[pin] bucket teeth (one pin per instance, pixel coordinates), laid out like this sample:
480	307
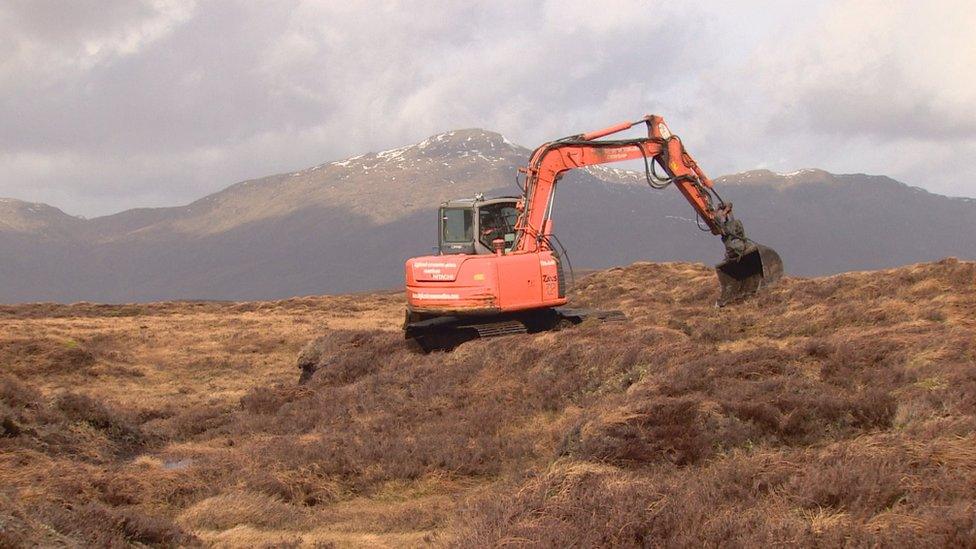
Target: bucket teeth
757	268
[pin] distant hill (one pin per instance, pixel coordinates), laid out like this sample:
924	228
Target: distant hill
348	225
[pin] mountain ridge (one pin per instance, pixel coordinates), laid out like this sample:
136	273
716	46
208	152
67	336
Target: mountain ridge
347	225
184	218
327	182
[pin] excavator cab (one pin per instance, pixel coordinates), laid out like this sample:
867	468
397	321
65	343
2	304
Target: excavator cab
470	225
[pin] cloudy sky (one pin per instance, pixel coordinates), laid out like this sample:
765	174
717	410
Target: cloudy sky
113	104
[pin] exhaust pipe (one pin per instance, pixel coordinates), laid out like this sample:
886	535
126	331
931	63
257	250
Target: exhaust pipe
757	268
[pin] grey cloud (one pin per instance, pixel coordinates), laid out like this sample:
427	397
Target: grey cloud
121	104
889	70
876	87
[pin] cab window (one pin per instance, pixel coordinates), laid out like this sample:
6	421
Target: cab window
497	221
457	225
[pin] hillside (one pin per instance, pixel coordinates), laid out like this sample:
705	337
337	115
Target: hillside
829	411
17	216
348	225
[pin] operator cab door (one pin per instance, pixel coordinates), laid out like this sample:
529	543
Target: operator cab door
496	220
456	227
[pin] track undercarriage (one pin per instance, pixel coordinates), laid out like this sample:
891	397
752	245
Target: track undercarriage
445	333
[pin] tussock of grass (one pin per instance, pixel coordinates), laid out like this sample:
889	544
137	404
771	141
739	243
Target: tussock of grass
240	508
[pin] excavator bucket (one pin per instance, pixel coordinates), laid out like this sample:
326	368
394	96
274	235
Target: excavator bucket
740	278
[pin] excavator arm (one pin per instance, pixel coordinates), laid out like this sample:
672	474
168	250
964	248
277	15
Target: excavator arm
747	265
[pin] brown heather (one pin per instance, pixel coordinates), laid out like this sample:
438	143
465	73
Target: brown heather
837	411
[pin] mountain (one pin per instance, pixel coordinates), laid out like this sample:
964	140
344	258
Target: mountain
30	218
348	225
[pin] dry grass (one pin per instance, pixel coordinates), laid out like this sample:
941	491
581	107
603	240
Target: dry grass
835	411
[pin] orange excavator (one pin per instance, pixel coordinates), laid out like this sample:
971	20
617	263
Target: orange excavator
500	269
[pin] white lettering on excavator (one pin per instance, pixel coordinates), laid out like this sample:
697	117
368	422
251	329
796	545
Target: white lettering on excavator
616	154
435	296
434	265
547	262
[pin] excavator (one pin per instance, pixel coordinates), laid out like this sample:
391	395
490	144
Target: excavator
500	268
